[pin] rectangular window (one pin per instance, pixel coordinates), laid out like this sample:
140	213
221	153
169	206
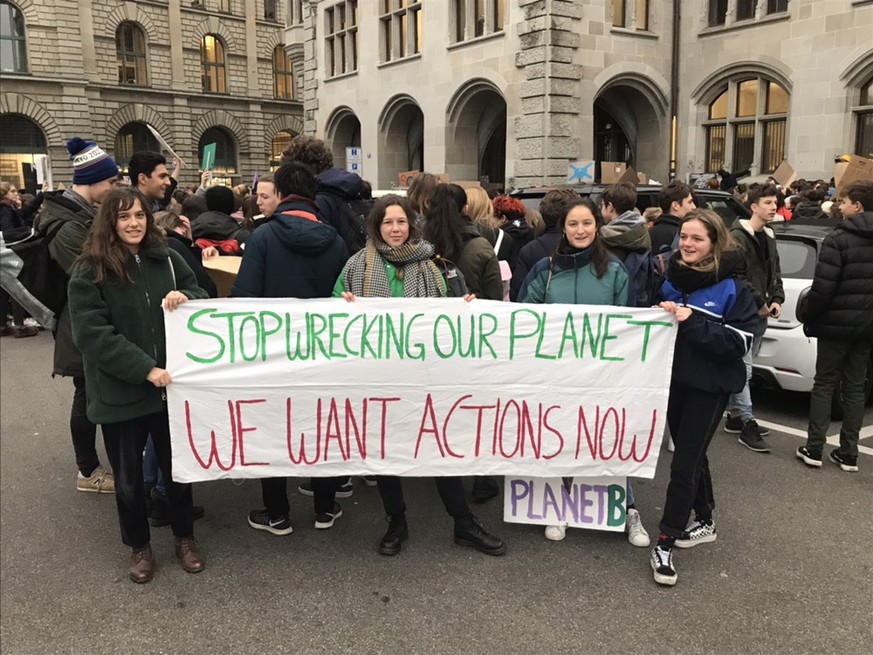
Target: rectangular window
269	9
715	140
619	19
776	6
294	13
341	38
717	12
401	29
475	18
631	14
746	9
744	146
223	6
864	143
747	98
774	145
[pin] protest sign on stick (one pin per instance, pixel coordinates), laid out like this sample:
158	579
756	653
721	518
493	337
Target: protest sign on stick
284	387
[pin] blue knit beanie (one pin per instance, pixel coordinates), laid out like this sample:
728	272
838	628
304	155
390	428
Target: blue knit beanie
90	163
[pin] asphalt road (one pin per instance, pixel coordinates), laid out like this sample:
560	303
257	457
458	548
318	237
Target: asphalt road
791	572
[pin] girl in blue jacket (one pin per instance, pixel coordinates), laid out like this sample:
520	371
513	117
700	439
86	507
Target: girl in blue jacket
717	316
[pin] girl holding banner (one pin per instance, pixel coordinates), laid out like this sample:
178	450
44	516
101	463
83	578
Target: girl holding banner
119	285
582	272
717	317
396	263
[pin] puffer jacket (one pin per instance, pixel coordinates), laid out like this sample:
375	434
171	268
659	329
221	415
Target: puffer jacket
763	274
711	342
64	248
120	330
839	305
573	280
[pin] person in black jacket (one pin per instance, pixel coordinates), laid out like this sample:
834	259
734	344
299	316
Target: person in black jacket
707	366
675	200
839	312
178	230
552	208
293	255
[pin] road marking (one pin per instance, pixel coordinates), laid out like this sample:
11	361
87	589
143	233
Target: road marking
833	440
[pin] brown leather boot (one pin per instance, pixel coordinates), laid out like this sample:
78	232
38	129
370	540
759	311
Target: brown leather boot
186	551
142	565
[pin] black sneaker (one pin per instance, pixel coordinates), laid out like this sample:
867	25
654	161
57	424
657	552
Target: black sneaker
848	464
260	520
750	437
370	480
470	532
662	565
809	457
345	490
699	532
397	533
733	424
325	520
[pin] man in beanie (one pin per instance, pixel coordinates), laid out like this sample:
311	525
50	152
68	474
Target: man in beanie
148	173
94	175
217	224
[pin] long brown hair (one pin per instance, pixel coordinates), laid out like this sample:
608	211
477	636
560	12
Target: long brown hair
722	241
103	250
599	253
377	214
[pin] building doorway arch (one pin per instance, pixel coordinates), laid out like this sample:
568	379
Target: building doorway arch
401	135
476	133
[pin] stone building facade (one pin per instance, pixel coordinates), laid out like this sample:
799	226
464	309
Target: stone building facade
511	91
197	71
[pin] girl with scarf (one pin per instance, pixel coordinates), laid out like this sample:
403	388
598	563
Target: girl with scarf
582	272
396	263
717	316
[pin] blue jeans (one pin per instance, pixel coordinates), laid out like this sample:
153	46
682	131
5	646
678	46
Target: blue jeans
631	500
152	474
741	403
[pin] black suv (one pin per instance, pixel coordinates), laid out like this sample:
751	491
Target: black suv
721	202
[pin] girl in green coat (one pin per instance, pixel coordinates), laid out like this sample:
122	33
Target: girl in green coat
582	272
119	284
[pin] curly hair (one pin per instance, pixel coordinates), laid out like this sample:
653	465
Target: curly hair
310	151
508	208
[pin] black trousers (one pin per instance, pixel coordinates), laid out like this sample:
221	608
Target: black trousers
83	431
274	491
693	417
9	306
451	491
125	442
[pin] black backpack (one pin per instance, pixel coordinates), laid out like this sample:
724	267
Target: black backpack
456	283
352	220
40	274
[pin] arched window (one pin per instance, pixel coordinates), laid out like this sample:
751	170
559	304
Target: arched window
745	126
13	46
130	51
864	112
133	137
283	74
212	65
281	141
21	146
225	151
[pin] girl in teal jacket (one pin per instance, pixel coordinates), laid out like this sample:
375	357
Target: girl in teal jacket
582	272
117	289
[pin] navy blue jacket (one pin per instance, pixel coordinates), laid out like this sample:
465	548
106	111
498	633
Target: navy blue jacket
291	256
335	183
712	341
530	254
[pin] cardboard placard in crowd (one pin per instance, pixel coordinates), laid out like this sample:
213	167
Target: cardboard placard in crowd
629	175
785	174
857	170
611	171
223	271
406	177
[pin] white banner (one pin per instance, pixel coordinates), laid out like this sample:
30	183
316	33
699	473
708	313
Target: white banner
592	503
285	387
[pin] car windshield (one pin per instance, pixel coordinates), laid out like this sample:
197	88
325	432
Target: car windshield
796	258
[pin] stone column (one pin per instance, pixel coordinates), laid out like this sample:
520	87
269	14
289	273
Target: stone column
310	67
550	93
177	58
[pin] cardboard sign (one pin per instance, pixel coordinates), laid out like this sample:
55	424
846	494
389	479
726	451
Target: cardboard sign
165	147
593	503
700	180
630	176
611	171
784	174
580	172
467	184
857	170
432	387
406	177
223	271
207	162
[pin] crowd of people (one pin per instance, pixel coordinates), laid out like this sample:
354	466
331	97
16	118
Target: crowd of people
311	230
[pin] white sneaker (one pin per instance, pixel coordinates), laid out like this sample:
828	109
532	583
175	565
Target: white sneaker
662	566
556	532
699	532
636	533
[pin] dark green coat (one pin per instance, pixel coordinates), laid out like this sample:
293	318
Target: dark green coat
64	248
120	331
